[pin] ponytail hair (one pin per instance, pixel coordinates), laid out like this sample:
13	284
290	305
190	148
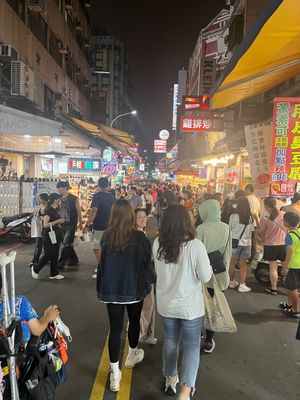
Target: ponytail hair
271	203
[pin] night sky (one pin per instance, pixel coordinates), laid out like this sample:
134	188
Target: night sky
160	37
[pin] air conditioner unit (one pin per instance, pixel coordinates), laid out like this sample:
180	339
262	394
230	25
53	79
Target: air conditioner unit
8	52
69	5
36	6
22	80
62	48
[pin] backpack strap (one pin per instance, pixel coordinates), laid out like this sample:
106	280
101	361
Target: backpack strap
296	234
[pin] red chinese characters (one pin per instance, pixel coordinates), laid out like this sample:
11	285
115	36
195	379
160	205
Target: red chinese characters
196	124
285	167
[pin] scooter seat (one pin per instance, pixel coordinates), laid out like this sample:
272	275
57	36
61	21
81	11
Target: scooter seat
7	220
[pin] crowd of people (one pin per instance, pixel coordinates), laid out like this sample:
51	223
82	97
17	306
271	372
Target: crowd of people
154	247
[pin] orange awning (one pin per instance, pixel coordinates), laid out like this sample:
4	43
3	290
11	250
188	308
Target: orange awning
268	55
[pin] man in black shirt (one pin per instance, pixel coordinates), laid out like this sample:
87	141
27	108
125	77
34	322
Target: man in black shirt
99	215
71	212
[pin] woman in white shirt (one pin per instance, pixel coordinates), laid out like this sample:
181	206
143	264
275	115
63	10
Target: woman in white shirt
241	226
182	265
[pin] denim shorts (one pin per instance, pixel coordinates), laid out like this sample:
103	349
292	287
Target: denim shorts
241	252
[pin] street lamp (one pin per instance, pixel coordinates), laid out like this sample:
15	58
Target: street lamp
134	112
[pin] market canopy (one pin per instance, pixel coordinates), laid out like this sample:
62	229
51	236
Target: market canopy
98	132
268	55
122	136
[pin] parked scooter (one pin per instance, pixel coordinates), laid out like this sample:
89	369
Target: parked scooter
261	270
18	226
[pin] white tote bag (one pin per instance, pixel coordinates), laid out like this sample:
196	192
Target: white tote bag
52	235
36	227
218	317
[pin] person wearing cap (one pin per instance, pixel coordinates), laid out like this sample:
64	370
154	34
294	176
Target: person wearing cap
52	222
70	211
295	206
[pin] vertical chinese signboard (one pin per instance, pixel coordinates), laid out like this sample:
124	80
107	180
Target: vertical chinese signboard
259	143
285	167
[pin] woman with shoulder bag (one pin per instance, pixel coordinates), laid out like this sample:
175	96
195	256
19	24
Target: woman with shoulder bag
52	236
216	237
43	203
182	265
241	227
147	324
273	233
123	282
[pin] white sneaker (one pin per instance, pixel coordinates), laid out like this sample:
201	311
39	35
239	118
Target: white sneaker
170	386
149	340
96	270
115	381
58	277
34	274
182	397
94	276
136	358
243	288
233	284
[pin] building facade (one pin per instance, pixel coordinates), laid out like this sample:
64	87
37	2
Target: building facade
206	64
44	52
111	88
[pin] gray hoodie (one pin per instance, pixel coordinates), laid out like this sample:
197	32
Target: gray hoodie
215	235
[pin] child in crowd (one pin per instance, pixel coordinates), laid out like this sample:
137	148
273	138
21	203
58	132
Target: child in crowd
291	267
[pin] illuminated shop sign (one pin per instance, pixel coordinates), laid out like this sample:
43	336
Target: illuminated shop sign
160	146
285	165
196	102
109	168
201	123
82	165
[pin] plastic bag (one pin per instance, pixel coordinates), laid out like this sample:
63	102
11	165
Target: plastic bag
52	235
36	227
256	259
218	317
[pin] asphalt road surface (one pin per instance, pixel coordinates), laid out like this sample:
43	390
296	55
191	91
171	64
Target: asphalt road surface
260	362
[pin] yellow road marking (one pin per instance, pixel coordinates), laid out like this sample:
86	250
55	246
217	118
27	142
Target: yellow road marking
124	393
102	373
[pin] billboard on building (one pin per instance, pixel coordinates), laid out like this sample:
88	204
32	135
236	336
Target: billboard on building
175	99
208	74
160	146
201	123
285	165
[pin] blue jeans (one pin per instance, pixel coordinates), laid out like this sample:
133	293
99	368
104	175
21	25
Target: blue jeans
188	334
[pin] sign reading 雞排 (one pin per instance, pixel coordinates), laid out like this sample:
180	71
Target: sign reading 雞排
285	166
203	123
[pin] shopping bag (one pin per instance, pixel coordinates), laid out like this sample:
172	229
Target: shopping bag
52	235
218	317
86	237
298	332
36	227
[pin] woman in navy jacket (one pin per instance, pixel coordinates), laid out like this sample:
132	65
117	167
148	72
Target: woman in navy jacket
123	281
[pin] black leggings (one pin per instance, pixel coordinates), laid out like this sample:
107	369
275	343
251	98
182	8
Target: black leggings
116	321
